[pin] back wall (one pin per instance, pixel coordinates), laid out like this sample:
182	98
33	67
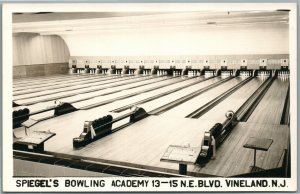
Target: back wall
36	55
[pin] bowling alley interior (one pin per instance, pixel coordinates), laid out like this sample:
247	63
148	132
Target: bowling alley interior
151	94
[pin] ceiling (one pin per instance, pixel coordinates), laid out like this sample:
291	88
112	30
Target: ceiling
69	23
54	16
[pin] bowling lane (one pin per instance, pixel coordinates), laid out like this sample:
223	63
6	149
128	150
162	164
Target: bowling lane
185	108
270	108
93	113
149	106
25	99
87	104
233	102
47	80
75	98
30	79
54	83
147	131
67	86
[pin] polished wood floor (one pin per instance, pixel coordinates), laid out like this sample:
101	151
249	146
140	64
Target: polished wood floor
143	143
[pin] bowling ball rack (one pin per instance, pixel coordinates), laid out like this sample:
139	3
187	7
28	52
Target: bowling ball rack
99	128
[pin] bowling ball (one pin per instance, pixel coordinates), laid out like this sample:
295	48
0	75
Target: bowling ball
94	124
216	129
98	122
133	108
26	111
20	113
110	118
14	114
229	114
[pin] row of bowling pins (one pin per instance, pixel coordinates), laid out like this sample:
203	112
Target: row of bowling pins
162	72
175	72
226	73
130	72
209	73
245	73
193	73
147	72
264	73
90	71
79	71
284	75
104	71
118	71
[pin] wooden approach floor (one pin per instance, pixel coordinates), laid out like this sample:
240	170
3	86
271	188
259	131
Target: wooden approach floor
143	143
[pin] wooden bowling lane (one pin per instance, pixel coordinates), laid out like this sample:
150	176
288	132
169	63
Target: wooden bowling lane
56	84
233	102
141	144
80	85
181	83
149	106
92	92
88	88
114	100
186	108
99	101
158	100
109	98
75	85
107	108
233	159
270	108
41	78
159	93
47	79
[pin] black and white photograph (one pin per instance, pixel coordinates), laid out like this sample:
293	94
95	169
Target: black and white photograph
149	97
